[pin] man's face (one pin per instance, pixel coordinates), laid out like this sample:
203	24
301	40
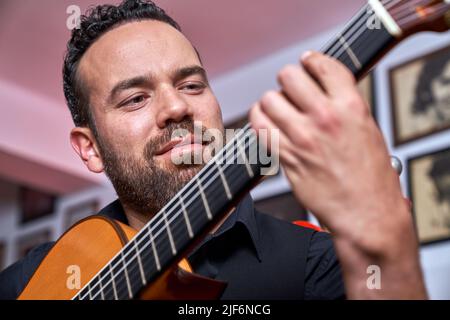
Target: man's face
144	81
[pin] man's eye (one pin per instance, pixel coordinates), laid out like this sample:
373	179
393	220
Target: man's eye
135	100
193	87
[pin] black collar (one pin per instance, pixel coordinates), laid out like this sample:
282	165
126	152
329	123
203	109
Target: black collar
244	213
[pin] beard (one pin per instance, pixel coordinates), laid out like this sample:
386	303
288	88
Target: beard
140	183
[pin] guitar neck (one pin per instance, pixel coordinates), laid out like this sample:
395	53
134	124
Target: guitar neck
219	185
362	42
184	221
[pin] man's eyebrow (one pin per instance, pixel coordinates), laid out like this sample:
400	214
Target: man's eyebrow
190	71
137	81
127	84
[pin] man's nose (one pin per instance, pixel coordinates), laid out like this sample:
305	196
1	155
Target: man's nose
172	107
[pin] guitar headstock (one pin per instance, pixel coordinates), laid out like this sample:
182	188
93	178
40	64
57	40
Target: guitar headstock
419	15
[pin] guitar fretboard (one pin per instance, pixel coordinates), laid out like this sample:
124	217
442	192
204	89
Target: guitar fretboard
202	200
361	43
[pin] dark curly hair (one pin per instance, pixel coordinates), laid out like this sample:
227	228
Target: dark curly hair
93	24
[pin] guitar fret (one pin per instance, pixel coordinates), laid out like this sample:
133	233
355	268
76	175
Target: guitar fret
90	292
188	223
155	254
350	52
205	202
113	283
102	294
224	181
130	293
169	233
105	282
244	157
141	269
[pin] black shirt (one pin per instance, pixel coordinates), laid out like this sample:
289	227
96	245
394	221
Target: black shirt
260	257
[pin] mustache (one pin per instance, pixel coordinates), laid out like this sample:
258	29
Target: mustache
165	137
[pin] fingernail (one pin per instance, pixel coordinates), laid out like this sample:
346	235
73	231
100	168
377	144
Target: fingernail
306	54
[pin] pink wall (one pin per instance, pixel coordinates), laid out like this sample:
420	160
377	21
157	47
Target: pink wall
34	121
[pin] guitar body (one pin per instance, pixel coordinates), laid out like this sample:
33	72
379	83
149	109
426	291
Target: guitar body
87	247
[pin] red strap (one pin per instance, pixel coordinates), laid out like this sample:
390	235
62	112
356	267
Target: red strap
306	224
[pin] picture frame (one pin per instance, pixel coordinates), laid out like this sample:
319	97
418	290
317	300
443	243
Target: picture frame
35	204
25	243
79	211
429	191
366	87
420	96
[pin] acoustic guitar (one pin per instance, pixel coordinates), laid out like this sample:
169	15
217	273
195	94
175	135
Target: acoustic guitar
100	258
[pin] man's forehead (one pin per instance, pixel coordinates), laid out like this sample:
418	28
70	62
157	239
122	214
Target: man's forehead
134	48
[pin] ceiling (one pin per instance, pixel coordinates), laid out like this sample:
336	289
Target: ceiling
228	34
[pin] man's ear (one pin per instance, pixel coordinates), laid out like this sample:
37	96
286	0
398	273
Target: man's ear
84	144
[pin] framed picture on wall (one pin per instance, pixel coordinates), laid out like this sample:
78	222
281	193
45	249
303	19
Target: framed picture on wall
283	206
420	96
367	88
27	242
429	189
35	204
79	211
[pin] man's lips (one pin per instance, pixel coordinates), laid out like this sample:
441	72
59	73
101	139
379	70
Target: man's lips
189	142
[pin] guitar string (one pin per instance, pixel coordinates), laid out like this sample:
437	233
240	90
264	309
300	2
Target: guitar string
356	27
352	41
355	31
411	5
133	271
208	170
403	8
355	37
164	244
245	132
353	26
390	3
334	43
411	12
438	9
355	34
